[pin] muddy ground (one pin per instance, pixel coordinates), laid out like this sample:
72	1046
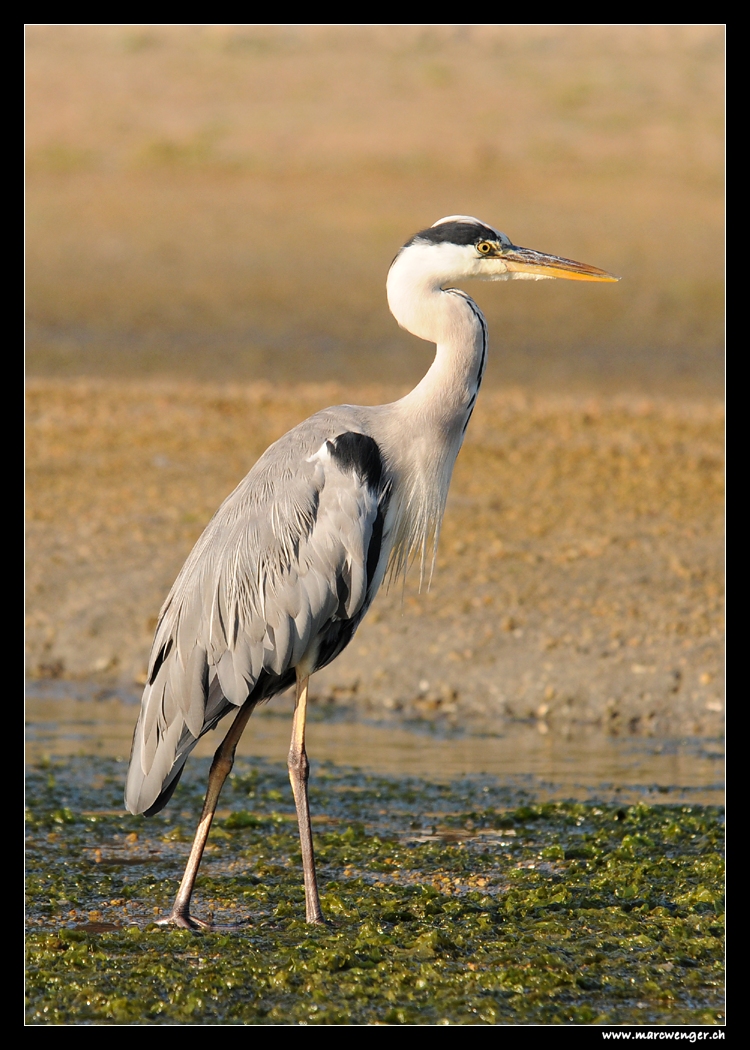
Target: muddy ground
579	577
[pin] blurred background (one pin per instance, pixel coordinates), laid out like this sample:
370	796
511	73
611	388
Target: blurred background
211	214
224	201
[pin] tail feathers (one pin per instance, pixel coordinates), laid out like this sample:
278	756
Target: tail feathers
180	705
168	790
145	788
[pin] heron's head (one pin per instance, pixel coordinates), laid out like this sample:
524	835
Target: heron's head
460	246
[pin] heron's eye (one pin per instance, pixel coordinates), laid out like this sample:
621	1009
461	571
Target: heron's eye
484	247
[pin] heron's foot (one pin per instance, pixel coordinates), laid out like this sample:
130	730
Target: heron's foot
184	920
317	920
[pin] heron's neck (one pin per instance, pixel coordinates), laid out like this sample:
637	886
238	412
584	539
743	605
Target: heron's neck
445	397
425	429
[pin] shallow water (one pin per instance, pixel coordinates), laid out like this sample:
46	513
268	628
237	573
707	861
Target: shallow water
67	719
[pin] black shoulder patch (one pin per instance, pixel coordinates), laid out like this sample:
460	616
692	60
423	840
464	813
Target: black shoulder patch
358	452
454	233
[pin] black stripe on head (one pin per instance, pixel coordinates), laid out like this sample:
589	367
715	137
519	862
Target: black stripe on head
359	453
455	233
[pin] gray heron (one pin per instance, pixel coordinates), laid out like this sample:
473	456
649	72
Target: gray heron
284	573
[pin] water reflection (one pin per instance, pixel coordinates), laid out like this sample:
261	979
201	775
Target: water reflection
65	719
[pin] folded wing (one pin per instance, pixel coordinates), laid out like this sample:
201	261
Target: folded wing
282	575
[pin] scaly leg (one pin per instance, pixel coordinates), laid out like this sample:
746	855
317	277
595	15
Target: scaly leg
299	772
220	770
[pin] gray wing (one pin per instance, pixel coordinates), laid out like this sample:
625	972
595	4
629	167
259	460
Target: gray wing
285	566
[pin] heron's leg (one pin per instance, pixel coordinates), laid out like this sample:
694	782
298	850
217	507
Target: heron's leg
220	770
299	772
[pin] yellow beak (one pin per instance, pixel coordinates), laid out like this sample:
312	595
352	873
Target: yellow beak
526	260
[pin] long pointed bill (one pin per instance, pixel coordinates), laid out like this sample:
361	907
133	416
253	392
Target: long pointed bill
526	260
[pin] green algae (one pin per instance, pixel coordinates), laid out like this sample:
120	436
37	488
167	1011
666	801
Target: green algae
449	903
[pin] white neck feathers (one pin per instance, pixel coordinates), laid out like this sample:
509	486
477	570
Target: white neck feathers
435	413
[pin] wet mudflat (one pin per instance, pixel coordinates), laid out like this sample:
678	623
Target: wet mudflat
567	659
466	900
578	579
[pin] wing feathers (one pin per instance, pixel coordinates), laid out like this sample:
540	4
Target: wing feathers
285	555
196	688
